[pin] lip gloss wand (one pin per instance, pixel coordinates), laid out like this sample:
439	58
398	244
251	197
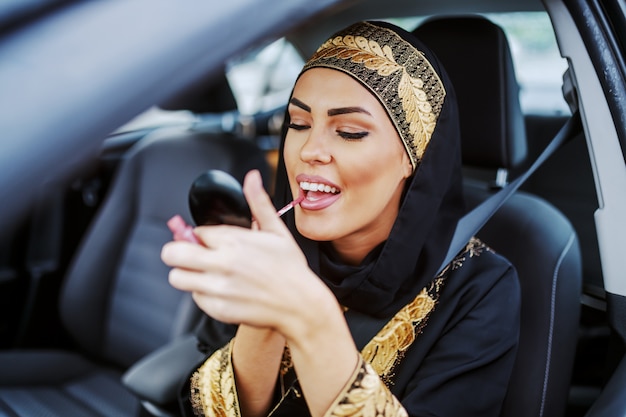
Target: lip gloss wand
182	231
290	205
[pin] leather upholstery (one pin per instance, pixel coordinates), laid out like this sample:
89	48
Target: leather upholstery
116	302
544	248
537	238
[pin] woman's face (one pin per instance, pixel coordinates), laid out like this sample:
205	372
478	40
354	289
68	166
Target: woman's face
343	152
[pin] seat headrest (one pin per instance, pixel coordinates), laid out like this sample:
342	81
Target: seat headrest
476	55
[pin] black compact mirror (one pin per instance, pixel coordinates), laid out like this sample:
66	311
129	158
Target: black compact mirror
216	197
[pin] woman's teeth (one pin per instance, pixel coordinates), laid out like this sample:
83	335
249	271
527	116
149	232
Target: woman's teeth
314	186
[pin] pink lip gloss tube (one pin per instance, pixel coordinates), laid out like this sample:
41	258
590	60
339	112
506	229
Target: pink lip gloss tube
181	230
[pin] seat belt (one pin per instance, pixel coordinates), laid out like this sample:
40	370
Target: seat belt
365	327
474	220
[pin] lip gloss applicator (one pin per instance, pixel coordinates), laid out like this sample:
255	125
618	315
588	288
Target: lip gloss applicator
291	205
182	231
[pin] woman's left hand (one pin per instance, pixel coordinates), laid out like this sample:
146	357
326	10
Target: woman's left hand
256	277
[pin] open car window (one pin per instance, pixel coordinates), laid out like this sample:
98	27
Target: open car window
262	79
538	64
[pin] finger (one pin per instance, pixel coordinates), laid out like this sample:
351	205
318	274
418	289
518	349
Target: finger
186	280
209	285
189	256
215	307
261	205
222	236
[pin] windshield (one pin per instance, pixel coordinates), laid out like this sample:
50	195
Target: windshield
538	64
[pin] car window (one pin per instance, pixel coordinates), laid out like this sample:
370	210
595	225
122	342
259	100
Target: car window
262	79
538	64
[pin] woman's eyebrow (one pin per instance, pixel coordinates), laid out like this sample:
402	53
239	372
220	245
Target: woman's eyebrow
346	110
300	104
331	112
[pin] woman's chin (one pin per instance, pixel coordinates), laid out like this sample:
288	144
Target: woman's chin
316	233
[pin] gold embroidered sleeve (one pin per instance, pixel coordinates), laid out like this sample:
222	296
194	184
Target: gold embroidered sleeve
213	391
365	395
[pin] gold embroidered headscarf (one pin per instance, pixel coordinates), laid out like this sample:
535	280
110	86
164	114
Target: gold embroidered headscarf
395	72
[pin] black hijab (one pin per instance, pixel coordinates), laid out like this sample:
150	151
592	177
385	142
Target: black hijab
395	271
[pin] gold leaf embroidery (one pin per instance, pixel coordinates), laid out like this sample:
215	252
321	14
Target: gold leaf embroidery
360	50
418	111
213	392
383	351
367	396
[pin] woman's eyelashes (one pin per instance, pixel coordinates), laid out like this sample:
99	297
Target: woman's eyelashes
344	134
296	126
341	133
352	135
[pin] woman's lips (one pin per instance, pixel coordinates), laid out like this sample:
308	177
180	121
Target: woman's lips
316	200
319	192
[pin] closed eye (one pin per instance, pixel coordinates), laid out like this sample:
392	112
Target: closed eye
352	136
298	127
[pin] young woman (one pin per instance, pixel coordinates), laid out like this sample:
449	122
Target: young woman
341	309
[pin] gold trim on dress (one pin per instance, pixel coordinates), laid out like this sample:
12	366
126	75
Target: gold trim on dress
213	390
366	396
385	350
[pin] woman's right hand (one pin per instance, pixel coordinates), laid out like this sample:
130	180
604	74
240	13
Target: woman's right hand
256	277
261	280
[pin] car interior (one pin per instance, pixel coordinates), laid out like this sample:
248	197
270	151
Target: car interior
91	326
115	302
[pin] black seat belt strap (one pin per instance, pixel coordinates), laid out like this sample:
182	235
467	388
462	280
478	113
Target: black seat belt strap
473	221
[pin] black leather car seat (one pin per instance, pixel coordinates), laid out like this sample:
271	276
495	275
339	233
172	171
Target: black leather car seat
537	238
116	302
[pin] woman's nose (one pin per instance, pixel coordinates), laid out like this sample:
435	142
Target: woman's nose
316	148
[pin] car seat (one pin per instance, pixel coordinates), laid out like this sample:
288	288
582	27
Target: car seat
116	301
537	238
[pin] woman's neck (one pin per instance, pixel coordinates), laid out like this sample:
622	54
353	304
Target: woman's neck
353	251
